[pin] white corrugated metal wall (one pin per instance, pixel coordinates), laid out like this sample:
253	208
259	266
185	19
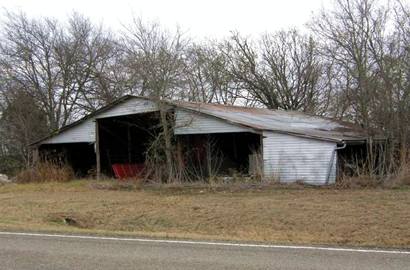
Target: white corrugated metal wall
289	158
83	132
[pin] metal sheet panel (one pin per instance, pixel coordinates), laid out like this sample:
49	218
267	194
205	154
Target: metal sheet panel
193	123
289	158
131	106
223	118
83	132
290	122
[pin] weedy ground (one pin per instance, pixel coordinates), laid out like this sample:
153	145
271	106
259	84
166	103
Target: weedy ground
296	215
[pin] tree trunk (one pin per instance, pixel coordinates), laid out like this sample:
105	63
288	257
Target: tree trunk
167	141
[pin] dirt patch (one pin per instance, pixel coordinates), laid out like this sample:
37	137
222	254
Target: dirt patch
70	219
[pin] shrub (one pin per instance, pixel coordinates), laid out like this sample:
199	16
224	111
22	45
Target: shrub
363	179
46	171
401	178
358	181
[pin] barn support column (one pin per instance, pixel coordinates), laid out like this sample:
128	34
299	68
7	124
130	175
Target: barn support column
36	156
97	150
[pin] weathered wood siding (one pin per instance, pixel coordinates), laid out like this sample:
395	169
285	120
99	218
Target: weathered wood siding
290	158
194	123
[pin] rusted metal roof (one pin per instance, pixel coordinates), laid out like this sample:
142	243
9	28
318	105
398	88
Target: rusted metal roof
291	122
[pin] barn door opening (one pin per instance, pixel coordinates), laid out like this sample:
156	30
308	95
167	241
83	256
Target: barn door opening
222	154
80	156
123	142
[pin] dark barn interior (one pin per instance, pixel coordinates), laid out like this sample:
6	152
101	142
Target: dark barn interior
226	153
80	156
351	159
358	157
125	139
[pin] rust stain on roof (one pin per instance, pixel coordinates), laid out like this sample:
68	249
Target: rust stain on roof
292	122
278	120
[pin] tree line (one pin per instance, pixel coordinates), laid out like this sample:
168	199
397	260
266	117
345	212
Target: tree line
352	62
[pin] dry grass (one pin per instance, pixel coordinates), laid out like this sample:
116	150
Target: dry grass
359	181
398	179
402	178
45	172
366	217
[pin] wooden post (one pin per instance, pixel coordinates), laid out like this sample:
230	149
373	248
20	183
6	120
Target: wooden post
97	150
36	155
180	158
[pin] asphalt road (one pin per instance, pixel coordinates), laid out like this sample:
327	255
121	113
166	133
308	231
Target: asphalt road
51	252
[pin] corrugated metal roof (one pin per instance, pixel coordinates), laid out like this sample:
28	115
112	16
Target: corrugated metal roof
290	122
281	121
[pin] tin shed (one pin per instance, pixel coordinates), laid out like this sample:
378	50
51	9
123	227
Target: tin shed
292	146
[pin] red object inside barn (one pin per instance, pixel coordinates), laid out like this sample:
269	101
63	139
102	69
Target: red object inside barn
127	170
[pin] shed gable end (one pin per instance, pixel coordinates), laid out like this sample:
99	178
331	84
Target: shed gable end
83	132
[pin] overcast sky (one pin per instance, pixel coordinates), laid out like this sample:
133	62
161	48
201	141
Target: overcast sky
201	19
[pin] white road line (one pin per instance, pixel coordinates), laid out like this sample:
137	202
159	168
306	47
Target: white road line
206	243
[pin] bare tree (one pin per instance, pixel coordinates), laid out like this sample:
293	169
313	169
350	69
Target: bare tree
156	59
52	63
26	57
85	53
346	33
208	77
282	72
366	46
111	78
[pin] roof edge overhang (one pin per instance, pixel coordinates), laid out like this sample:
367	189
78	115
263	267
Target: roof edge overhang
257	131
260	130
86	117
254	129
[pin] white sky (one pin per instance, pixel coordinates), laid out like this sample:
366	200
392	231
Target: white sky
200	19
